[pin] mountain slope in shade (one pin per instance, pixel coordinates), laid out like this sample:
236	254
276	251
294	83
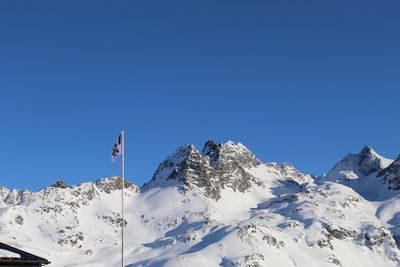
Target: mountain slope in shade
391	175
220	206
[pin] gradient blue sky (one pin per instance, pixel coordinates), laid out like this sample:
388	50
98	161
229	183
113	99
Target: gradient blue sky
303	82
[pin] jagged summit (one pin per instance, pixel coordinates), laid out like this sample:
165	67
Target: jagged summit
217	167
187	162
235	153
220	166
353	166
59	184
176	166
369	161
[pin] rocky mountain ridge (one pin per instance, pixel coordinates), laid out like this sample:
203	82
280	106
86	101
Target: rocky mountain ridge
218	207
216	167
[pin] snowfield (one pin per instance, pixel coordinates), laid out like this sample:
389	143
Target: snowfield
217	207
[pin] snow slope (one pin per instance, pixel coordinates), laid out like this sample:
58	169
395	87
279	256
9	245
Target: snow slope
217	207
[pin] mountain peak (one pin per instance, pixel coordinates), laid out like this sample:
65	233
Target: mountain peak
174	167
366	152
353	166
229	152
369	161
218	166
59	184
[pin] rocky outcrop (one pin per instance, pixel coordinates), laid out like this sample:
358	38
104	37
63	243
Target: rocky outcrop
369	161
14	197
391	175
290	173
59	184
354	166
115	183
219	166
229	154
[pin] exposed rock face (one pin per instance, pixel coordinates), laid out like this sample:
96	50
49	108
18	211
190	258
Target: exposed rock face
19	220
290	172
354	166
328	207
212	150
369	161
229	155
114	183
391	175
217	167
59	184
14	197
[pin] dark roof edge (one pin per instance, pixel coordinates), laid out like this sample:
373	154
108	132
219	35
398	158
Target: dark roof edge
23	254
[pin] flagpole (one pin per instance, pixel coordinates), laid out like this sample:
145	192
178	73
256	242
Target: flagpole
122	197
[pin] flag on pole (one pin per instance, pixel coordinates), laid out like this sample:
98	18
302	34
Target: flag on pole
116	150
119	150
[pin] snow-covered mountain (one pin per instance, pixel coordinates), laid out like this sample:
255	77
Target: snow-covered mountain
220	206
354	166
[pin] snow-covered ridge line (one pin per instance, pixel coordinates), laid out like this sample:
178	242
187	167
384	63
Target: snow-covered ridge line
220	206
14	196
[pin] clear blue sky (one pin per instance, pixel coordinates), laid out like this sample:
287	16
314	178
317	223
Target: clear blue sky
303	82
